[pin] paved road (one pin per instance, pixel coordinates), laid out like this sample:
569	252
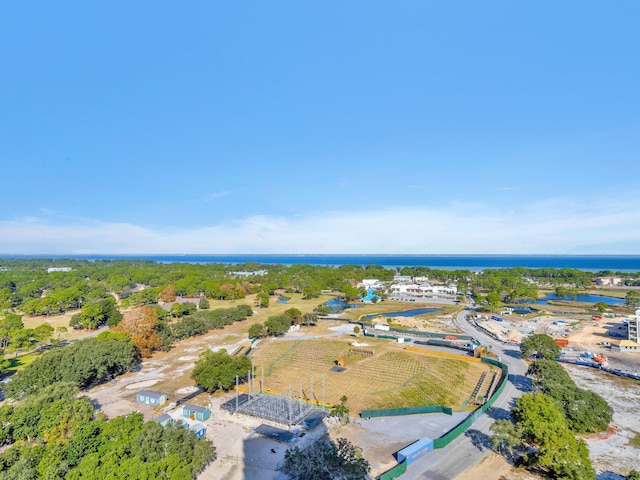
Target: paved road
470	448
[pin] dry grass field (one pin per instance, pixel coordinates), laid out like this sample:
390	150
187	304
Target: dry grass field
391	378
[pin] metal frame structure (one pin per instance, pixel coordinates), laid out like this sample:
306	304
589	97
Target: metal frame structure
284	410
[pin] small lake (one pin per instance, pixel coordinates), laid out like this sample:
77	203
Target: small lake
338	305
406	313
583	297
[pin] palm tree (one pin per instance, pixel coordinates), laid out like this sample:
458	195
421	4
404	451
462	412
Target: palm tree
341	410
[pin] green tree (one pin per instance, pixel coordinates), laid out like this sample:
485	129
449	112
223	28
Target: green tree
203	304
262	300
294	314
83	363
506	437
93	315
256	330
325	460
218	370
494	300
9	326
585	411
277	325
11	321
42	333
555	448
245	310
562	291
601	307
309	318
540	345
632	298
178	310
350	292
341	410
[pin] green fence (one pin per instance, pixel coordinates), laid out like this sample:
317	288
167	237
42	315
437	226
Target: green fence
430	334
397	412
503	382
395	472
459	429
452	434
390	337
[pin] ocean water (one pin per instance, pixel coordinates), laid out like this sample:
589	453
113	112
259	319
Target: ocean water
616	263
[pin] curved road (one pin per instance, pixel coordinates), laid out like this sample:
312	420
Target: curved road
468	449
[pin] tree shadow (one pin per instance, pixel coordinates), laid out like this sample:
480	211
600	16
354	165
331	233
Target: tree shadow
498	413
608	475
521	382
264	453
512	353
479	439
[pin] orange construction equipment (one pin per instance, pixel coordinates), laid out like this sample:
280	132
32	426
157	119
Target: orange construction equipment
601	359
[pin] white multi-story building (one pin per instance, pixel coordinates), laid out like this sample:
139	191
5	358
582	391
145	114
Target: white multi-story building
634	331
424	289
402	279
371	284
608	281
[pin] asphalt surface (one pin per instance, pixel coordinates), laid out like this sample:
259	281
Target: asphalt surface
470	448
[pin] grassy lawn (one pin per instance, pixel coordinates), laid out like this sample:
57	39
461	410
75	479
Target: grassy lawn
56	321
20	362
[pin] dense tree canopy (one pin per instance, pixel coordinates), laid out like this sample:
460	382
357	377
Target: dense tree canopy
585	411
52	434
326	460
218	370
553	446
278	325
540	346
93	315
84	363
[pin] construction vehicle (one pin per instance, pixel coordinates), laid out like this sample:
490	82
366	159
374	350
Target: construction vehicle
601	360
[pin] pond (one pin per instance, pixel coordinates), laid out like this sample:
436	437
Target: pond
406	313
583	297
338	305
283	300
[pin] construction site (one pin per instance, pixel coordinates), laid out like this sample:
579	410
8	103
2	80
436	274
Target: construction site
378	374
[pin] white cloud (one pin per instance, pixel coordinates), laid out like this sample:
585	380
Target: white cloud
214	196
550	226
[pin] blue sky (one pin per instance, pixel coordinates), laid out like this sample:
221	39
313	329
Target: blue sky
320	127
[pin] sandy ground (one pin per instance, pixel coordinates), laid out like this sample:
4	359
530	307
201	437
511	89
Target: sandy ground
495	467
616	454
